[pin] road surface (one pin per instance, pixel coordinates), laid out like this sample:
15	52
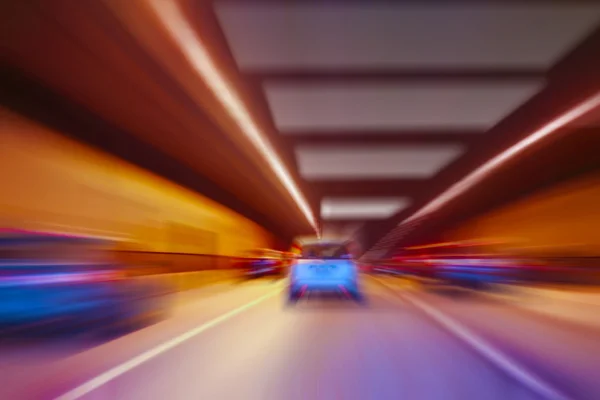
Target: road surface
240	341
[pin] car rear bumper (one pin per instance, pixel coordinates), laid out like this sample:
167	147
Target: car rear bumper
320	285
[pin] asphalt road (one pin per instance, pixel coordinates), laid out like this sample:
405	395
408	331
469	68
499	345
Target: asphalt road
240	341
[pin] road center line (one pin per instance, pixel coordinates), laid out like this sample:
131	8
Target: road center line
119	370
499	359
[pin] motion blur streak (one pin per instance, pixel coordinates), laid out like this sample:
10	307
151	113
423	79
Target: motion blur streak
561	221
476	176
63	185
113	373
177	24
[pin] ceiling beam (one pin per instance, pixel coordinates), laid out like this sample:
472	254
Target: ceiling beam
380	137
370	188
412	75
581	63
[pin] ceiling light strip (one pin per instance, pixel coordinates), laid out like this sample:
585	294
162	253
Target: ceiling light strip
478	174
194	50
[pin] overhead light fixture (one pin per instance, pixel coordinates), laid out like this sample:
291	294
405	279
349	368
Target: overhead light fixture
478	174
316	106
196	53
361	208
351	162
306	35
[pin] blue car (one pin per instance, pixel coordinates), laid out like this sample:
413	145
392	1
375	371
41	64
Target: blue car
261	263
52	282
324	267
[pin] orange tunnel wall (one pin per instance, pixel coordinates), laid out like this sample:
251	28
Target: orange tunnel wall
562	221
50	182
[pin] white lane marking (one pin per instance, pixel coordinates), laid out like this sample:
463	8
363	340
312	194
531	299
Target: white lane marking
119	370
511	367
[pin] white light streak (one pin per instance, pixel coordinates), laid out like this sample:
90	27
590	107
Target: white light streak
194	50
478	174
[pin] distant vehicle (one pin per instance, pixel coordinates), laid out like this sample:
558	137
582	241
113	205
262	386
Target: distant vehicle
468	263
452	269
53	282
411	265
324	267
262	262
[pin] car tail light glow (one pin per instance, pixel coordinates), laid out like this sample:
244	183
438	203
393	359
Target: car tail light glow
303	290
345	291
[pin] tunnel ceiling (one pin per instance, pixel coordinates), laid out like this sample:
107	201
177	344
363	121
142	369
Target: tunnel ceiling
376	107
383	105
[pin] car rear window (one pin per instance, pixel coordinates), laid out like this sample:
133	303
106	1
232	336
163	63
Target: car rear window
326	251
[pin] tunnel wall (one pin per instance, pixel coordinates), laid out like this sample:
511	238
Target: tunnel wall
50	182
562	221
